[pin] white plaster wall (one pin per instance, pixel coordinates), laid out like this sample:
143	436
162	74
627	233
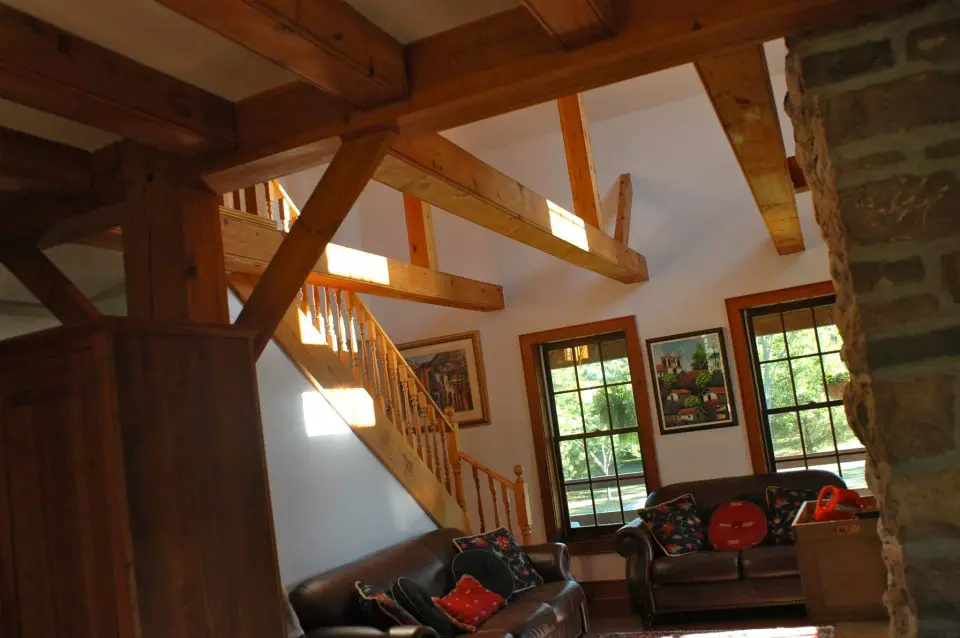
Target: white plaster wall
693	218
332	500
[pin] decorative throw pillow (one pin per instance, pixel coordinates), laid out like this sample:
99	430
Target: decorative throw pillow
783	503
381	609
489	570
470	603
675	525
737	525
501	544
415	599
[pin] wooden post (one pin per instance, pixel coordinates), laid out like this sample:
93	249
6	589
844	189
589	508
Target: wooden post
523	505
423	246
453	454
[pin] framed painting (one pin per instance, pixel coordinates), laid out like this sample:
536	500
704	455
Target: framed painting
692	379
451	369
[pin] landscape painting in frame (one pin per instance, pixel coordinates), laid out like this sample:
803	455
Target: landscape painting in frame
692	380
451	369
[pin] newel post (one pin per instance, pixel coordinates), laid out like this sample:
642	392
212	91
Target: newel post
523	505
453	452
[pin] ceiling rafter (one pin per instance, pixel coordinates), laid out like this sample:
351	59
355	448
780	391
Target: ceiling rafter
29	162
576	145
575	22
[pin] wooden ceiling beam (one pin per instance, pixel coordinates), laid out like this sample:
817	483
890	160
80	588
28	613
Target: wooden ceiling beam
319	220
328	43
624	209
49	285
574	23
738	84
28	162
506	62
576	144
51	70
419	219
796	175
443	174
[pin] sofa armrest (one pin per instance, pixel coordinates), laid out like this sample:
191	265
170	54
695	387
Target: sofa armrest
403	631
551	560
635	538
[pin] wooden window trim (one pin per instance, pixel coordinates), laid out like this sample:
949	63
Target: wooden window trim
741	355
543	448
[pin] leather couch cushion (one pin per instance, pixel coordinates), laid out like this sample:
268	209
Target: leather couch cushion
547	610
521	617
701	567
565	597
769	561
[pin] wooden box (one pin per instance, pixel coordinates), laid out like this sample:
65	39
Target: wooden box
841	567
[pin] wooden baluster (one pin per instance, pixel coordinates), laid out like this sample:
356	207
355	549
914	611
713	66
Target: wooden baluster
453	454
225	200
434	426
476	482
250	199
375	363
268	199
305	299
493	497
363	345
354	341
505	495
396	384
447	459
328	319
420	415
318	321
523	505
341	328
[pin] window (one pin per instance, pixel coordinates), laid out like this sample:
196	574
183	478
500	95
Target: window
593	450
793	363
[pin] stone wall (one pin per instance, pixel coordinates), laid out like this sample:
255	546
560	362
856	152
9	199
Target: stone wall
876	109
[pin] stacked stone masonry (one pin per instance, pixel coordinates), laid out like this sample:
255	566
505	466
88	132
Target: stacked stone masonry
876	113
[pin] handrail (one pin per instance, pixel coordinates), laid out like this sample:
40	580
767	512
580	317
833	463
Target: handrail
347	326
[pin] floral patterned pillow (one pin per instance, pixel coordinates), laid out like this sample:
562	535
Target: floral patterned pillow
501	544
783	503
675	525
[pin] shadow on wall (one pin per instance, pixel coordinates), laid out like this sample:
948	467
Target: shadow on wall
333	501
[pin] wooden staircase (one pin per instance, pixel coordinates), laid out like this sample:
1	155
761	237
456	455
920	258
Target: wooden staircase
340	347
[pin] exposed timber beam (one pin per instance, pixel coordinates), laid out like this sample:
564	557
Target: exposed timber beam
576	143
328	43
503	63
443	174
796	175
738	84
49	285
51	70
574	22
28	162
419	218
621	231
320	218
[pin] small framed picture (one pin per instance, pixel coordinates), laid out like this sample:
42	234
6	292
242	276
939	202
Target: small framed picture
692	382
451	369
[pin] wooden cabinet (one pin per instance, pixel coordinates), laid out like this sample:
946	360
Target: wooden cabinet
133	493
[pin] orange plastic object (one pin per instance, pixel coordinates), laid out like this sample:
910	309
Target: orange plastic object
836	504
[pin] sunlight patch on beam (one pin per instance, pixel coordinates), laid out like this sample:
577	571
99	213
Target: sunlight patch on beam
356	264
355	405
567	226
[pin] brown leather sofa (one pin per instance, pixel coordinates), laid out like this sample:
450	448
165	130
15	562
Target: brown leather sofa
765	575
326	605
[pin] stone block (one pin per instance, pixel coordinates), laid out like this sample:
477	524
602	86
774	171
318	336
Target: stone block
899	311
933	587
926	99
838	65
918	502
950	148
950	274
870	275
905	207
915	418
915	348
938	42
875	160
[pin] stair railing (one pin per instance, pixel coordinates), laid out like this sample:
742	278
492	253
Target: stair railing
346	325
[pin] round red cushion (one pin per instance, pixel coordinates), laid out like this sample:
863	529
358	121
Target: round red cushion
737	525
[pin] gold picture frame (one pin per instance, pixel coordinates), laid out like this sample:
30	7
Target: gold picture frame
451	369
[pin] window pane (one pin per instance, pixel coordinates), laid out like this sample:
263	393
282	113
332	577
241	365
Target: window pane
573	460
600	455
837	375
801	338
561	364
623	409
568	413
629	458
854	474
616	365
768	330
785	434
580	506
827	329
589	367
846	439
606	495
827	465
817	435
808	379
777	387
595	409
634	494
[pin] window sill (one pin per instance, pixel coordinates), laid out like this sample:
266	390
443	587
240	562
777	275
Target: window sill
600	545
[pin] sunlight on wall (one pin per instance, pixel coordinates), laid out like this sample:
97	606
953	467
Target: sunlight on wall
567	226
335	411
353	404
356	264
320	418
309	333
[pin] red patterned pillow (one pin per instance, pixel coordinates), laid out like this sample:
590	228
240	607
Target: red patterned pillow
470	603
